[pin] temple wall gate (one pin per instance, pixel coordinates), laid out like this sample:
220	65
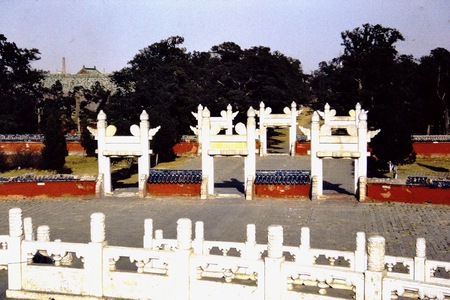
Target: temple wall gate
288	119
136	145
242	144
326	144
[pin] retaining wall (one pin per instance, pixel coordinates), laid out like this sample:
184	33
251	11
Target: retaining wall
415	190
48	189
430	149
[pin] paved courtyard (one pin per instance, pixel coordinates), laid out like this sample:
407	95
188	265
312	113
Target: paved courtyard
334	221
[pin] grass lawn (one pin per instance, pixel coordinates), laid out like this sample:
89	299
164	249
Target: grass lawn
432	166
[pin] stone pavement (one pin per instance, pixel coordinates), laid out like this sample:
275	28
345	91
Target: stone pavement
334	221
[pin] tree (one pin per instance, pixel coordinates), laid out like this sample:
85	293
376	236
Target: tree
55	149
19	88
54	98
170	82
371	73
159	81
435	88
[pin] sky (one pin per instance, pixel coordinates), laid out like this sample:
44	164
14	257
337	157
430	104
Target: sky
108	34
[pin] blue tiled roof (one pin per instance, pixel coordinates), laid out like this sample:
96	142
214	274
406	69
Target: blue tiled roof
39	178
33	138
175	176
425	181
285	177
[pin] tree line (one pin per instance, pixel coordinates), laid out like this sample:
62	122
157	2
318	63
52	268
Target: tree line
403	95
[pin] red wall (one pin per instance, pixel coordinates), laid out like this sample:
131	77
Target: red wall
302	148
185	148
421	149
407	193
48	188
74	148
282	191
432	149
174	189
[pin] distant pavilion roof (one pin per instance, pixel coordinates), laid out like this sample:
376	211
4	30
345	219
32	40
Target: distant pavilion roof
86	70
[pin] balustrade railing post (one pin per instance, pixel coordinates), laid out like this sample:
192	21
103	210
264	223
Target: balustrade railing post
305	246
375	272
250	251
148	233
360	253
419	260
15	249
199	238
94	264
28	229
273	285
43	233
182	259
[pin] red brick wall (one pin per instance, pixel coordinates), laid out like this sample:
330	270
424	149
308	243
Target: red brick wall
432	149
174	189
407	193
48	188
282	191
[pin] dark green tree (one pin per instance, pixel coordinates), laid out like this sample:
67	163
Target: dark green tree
55	149
19	88
87	141
54	98
435	89
159	81
371	72
169	83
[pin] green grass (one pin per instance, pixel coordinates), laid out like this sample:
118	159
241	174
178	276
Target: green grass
432	166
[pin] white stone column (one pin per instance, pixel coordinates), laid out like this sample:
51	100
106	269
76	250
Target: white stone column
207	160
262	129
250	160
104	164
361	166
199	128
274	284
229	130
327	114
316	163
375	268
15	259
357	112
144	159
420	259
93	261
293	128
182	259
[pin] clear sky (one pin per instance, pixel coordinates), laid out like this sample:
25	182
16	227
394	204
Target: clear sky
109	33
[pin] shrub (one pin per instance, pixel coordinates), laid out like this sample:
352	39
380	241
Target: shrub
24	159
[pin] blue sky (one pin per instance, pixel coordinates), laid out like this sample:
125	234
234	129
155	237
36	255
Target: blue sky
108	34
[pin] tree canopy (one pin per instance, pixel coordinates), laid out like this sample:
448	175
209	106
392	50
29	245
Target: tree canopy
169	82
371	72
403	95
19	88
